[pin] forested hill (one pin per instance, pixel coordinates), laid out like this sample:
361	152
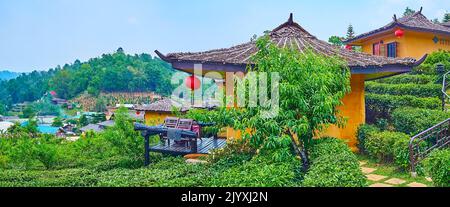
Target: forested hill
108	73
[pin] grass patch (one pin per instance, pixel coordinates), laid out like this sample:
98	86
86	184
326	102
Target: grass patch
391	171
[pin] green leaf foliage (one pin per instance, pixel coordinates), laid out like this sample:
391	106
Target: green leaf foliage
333	165
418	90
364	131
415	120
381	106
438	167
409	79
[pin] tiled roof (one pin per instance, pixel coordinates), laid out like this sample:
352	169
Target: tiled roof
416	21
446	24
289	34
92	127
164	105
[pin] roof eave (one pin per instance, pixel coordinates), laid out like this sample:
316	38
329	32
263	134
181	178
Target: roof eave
375	32
394	68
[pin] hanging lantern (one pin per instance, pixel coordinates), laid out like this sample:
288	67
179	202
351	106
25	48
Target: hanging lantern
399	33
192	83
138	113
348	47
53	93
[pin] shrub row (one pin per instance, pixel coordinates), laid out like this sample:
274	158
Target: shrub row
381	106
386	146
164	172
438	167
363	132
409	79
419	90
415	120
333	165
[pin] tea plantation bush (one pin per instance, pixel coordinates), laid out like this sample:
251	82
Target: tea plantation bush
418	90
438	167
381	106
333	165
363	132
415	120
386	145
164	172
409	79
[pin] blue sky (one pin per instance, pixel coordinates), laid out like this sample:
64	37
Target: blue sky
41	34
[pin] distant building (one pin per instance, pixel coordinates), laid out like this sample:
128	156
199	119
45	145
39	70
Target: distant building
5	125
59	101
100	127
19	107
91	127
157	112
410	36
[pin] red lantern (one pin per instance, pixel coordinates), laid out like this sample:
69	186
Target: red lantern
53	93
348	47
192	83
138	113
399	33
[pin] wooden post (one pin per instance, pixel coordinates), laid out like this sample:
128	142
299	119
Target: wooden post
194	147
147	149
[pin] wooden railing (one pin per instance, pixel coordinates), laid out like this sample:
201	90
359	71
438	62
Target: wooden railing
421	145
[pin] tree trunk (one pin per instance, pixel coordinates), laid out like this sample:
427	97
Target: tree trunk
301	152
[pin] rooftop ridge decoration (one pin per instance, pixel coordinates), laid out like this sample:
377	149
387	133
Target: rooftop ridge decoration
416	21
289	34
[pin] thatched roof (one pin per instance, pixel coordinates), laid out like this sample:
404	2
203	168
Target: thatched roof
289	34
446	24
416	22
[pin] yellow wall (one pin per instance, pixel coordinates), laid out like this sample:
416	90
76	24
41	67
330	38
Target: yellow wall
354	110
412	44
155	118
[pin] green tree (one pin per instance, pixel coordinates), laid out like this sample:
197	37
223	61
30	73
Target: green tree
29	112
350	32
408	12
446	18
311	87
83	121
436	21
336	40
57	122
100	117
3	109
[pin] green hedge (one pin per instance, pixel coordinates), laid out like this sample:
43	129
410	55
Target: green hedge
381	106
419	90
438	166
333	165
409	79
389	147
415	120
363	132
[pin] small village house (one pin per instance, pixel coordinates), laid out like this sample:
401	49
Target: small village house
410	36
155	113
99	127
290	34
